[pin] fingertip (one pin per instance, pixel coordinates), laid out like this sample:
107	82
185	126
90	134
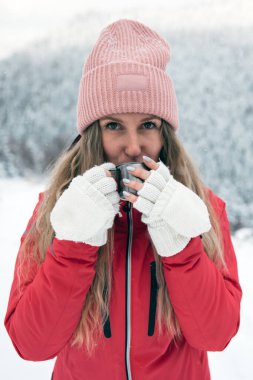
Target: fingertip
147	159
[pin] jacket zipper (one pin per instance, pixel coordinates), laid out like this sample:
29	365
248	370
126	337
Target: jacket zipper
153	300
128	290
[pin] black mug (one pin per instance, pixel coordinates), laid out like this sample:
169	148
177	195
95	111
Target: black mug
121	172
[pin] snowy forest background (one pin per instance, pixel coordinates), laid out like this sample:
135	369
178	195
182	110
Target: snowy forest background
212	73
211	66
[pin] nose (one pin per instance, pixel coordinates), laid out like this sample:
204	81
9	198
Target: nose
133	145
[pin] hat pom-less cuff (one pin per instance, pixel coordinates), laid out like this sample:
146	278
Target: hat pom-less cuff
126	87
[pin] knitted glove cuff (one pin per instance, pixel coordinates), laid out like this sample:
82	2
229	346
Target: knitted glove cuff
99	239
166	241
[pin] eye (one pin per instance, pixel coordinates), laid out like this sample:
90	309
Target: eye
112	126
149	125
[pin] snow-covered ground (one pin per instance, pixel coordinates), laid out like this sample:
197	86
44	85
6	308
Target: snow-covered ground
17	200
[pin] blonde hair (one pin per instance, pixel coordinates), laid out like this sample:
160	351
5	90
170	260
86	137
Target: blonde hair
86	153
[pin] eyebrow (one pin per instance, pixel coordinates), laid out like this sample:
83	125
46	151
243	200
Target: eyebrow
114	118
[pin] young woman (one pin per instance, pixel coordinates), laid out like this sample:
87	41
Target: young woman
137	287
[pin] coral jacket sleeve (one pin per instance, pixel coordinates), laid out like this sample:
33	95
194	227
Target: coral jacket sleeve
44	310
206	299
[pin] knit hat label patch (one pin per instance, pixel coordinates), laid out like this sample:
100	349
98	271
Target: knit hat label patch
131	82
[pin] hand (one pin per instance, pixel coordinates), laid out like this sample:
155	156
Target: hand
86	209
173	212
142	174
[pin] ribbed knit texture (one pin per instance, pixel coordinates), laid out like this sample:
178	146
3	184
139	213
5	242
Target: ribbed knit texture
173	213
167	241
126	73
86	209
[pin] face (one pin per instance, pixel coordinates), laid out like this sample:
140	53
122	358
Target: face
127	137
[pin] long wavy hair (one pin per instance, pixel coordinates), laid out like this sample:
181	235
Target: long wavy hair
84	154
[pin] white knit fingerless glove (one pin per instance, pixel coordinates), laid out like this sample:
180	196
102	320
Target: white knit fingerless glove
86	209
173	213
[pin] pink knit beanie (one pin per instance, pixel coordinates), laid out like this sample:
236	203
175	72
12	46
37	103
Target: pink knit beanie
125	73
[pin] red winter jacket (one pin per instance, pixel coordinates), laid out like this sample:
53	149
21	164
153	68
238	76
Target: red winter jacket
206	302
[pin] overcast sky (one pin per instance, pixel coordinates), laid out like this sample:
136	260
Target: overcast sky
23	21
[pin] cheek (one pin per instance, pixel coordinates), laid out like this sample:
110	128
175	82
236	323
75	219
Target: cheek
155	144
110	146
